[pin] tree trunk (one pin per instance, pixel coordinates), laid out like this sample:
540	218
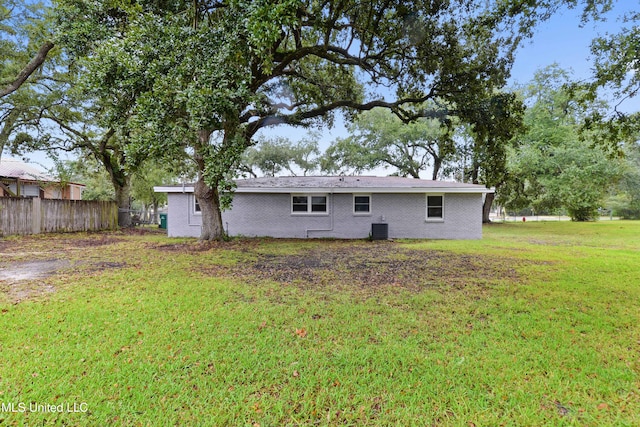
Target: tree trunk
208	198
210	208
123	198
120	179
154	220
486	208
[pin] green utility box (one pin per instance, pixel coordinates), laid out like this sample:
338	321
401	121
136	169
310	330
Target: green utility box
163	221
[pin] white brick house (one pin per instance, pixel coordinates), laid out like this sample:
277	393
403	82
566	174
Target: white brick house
338	207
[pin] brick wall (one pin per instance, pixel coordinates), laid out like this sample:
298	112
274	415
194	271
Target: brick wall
182	221
270	215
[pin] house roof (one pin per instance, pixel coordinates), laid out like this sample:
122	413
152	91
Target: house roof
339	184
12	168
17	169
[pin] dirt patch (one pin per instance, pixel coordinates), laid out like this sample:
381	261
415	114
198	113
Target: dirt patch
37	244
26	280
29	263
189	248
194	247
103	240
31	270
105	265
362	267
143	231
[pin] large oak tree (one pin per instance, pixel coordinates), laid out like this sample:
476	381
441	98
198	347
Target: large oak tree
207	75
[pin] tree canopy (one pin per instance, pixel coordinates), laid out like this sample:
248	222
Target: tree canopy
272	156
552	167
378	138
616	74
24	45
625	202
206	75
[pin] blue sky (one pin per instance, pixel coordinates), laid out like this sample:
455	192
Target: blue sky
560	40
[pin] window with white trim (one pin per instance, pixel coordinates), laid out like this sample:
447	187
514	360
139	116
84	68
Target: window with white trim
196	205
361	204
301	204
435	207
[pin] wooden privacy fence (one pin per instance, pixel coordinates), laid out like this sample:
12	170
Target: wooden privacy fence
32	216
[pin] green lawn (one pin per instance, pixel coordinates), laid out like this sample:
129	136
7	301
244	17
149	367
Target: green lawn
536	324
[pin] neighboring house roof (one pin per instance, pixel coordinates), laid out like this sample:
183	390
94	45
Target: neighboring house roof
11	168
17	169
339	184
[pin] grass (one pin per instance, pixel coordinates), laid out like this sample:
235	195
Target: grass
536	324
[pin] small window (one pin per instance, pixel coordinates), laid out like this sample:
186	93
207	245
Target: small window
361	204
196	205
309	204
299	203
435	207
319	204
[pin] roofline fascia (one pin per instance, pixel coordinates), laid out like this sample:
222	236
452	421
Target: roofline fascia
337	190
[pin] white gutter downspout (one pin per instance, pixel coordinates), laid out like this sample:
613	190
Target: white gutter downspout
309	230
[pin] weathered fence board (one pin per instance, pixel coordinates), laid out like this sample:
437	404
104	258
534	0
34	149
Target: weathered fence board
30	216
16	216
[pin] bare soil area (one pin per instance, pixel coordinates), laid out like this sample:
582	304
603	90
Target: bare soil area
360	266
31	270
27	262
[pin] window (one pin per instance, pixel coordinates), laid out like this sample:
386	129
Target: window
318	203
300	203
435	207
196	205
308	204
361	204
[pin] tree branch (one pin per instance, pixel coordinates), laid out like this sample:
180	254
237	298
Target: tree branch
35	62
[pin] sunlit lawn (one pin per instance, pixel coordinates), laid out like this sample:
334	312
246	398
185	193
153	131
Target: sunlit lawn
536	324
